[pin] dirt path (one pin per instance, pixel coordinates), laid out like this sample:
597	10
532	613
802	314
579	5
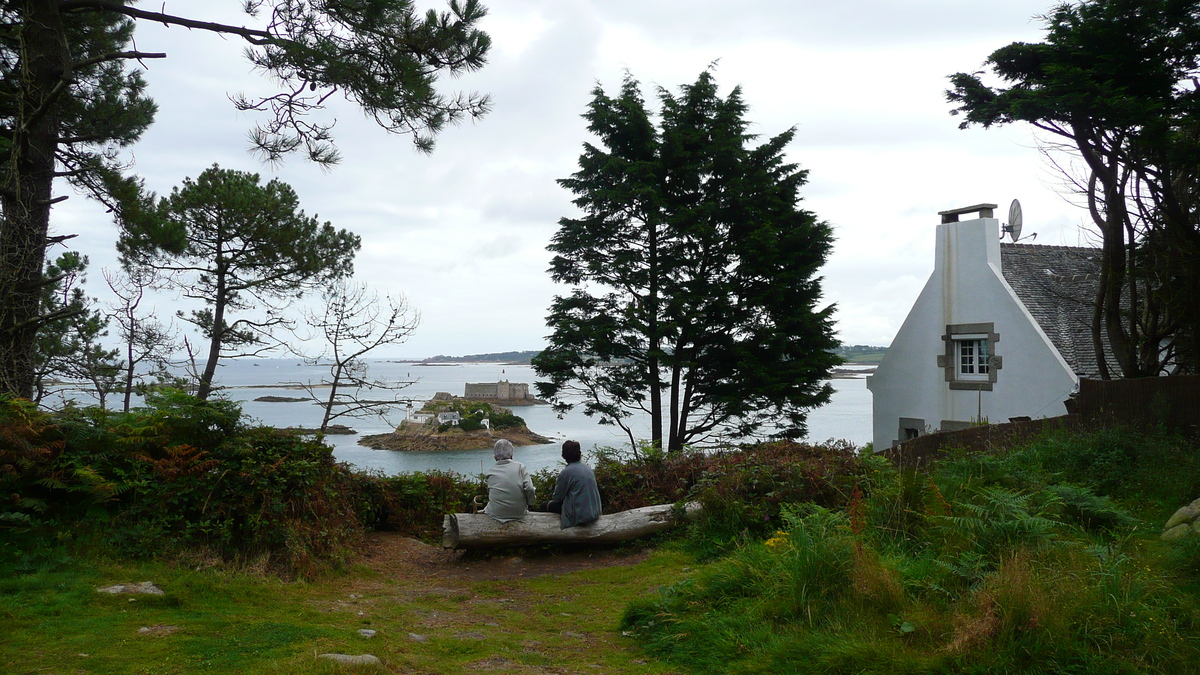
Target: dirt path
404	558
531	611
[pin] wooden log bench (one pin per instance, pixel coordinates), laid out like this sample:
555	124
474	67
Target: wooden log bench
479	530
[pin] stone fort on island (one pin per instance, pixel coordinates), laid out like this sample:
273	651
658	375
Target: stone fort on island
497	391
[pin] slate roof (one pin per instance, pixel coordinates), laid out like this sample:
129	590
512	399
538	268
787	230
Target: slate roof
1058	286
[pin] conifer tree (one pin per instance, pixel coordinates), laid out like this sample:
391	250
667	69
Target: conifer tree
695	297
1114	83
243	248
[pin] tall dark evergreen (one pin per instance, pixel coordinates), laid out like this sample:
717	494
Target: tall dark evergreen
70	103
1114	83
695	296
243	248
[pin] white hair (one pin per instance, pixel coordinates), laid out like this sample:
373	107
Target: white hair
503	449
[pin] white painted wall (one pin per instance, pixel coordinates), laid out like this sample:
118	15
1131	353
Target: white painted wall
967	287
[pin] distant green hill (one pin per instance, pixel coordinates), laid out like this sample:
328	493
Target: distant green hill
504	357
855	354
861	354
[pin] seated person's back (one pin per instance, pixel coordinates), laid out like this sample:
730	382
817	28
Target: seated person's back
576	496
510	489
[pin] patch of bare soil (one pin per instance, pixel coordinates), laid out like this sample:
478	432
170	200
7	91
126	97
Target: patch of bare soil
403	557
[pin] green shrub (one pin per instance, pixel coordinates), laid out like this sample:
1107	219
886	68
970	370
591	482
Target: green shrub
183	473
1122	463
414	504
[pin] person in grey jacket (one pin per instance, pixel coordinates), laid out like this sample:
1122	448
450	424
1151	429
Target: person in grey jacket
510	489
576	497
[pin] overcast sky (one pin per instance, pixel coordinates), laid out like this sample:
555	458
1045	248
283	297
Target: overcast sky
462	233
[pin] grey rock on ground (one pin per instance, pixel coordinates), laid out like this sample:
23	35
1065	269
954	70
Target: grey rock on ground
417	638
353	659
1183	522
366	632
145	588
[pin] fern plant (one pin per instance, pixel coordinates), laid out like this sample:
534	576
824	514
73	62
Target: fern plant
996	519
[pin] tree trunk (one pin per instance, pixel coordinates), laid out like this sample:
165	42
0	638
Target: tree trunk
333	388
129	372
218	333
479	530
673	443
25	192
656	421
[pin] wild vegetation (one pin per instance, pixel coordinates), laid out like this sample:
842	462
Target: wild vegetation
472	412
183	473
1043	556
861	354
1042	559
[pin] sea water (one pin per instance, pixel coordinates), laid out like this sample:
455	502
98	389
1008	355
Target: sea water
847	415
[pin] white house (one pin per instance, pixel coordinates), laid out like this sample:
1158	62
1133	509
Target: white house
999	331
452	418
418	417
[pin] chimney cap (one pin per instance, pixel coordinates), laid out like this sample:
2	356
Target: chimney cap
951	216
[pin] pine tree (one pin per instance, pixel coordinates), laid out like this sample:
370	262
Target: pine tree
70	104
244	248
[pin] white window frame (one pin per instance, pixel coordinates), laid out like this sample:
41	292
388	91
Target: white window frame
986	365
976	369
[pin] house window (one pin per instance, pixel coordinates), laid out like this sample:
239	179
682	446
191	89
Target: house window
969	359
972	358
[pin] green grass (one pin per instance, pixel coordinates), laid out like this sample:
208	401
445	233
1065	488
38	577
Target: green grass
231	622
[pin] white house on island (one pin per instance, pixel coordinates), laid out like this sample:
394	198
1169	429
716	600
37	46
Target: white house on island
999	331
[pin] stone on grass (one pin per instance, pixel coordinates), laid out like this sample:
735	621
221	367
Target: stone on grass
1185	515
417	638
366	632
157	629
1177	532
1184	521
144	588
353	659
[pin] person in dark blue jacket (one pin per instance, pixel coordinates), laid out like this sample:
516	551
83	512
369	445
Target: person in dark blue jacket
576	497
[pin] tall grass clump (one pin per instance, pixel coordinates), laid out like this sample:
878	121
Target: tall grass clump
1043	558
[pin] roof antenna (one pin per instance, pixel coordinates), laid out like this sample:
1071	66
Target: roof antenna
1015	221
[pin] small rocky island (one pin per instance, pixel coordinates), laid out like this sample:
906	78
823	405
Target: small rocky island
447	422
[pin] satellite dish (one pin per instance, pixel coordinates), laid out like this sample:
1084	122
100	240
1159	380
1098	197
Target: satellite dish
1015	220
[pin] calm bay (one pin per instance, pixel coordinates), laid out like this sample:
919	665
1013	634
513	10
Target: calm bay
847	416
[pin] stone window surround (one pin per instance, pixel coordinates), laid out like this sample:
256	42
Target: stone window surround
947	360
